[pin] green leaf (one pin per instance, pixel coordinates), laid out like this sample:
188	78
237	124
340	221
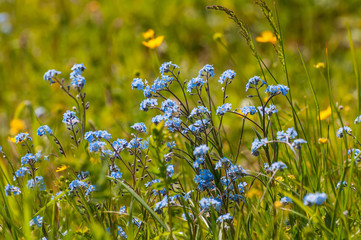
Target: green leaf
141	201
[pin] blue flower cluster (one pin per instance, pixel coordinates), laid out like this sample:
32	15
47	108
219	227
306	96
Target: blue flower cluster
50	75
276	166
23	137
253	82
78	81
70	119
227	75
314	199
343	130
278	89
256	144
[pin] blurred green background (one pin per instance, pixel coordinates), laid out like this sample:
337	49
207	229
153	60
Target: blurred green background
107	37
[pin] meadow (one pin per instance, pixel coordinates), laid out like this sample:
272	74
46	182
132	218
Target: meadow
180	119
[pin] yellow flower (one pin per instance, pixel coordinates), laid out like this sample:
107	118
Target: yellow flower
61	168
278	204
322	140
93	6
12	139
154	42
254	192
325	113
279	179
94	161
148	34
16	126
292	177
217	36
319	65
82	230
267	36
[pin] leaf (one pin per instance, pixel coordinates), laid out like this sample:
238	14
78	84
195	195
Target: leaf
141	201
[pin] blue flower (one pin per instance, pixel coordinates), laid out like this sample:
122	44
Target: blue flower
358	119
140	127
22	137
223	162
170	170
235	172
150	183
269	110
173	124
96	146
253	82
165	68
275	166
198	162
137	222
36	221
148	103
188	195
160	84
227	183
169	107
204	180
286	136
21	172
195	82
90	189
42	130
199	126
11	190
278	89
119	145
89	136
39	182
56	195
49	75
241	186
251	110
171	145
206	70
314	198
76	184
122	210
228	74
257	144
297	143
207	203
83	175
69	118
78	81
356	153
116	175
201	150
77	69
148	91
29	158
343	184
135	143
221	110
225	217
138	84
157	119
102	135
121	232
341	131
198	111
286	200
160	205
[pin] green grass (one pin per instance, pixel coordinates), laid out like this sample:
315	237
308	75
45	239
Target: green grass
107	38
